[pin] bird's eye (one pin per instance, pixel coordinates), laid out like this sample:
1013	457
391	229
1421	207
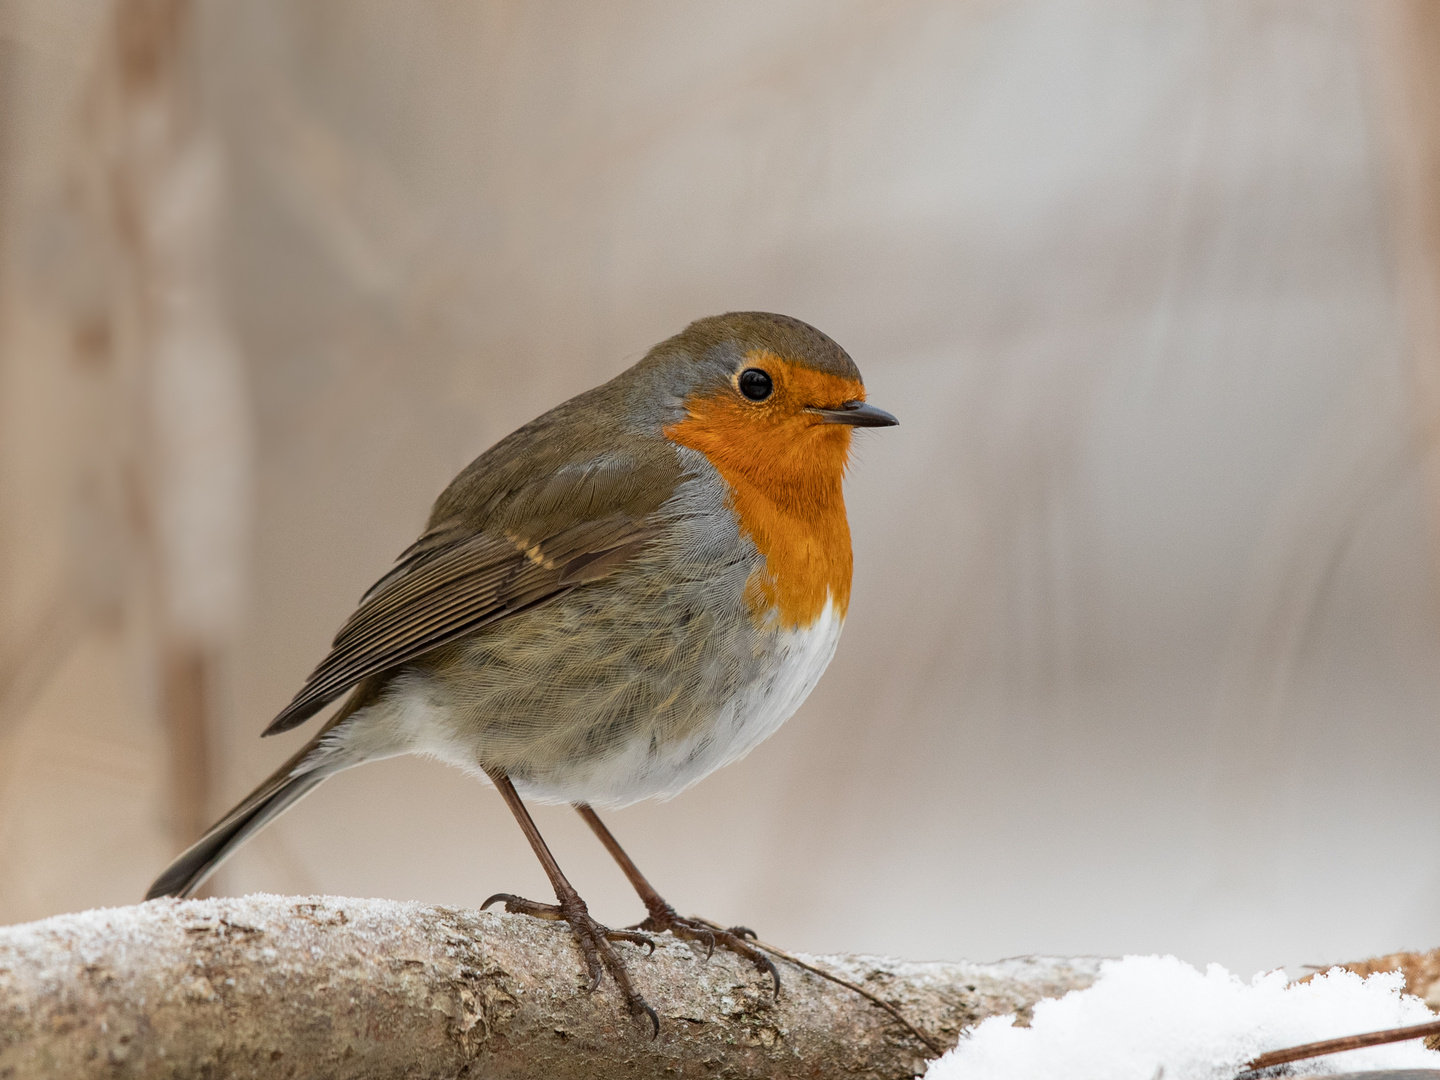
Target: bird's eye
755	384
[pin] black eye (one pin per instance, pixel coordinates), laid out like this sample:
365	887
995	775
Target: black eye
755	384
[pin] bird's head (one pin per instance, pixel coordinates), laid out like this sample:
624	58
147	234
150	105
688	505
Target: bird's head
767	398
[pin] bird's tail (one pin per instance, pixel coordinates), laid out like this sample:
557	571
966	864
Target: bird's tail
286	786
202	858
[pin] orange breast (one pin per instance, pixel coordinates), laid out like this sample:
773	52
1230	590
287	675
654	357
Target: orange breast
785	469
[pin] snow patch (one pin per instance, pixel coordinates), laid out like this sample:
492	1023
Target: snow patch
1157	1018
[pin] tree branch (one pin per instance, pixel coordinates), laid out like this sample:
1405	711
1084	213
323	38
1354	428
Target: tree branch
324	987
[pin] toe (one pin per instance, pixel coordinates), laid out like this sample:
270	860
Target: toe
635	937
518	905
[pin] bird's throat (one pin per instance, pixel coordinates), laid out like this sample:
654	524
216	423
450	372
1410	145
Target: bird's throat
785	486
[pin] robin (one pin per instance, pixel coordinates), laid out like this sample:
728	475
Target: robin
625	594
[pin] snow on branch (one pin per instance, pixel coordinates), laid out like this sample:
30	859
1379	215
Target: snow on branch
327	987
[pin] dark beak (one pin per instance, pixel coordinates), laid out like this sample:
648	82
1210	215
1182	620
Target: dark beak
857	414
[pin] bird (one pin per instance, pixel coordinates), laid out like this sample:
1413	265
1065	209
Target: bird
616	599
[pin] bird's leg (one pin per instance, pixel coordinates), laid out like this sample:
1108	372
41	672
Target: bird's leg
593	938
664	917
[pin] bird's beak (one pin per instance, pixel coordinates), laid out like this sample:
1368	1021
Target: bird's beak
857	414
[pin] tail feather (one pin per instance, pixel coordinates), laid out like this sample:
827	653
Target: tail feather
201	859
285	787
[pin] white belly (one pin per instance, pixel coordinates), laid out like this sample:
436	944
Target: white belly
640	771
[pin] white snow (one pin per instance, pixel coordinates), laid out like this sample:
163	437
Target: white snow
1158	1018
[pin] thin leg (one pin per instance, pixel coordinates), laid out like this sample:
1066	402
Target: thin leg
663	917
594	939
654	902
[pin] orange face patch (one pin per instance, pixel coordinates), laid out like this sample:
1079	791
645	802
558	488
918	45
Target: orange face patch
785	467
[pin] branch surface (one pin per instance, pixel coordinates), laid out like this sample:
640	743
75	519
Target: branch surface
273	986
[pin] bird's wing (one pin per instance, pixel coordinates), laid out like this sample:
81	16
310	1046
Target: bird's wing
459	577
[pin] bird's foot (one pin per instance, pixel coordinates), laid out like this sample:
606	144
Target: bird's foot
663	917
595	944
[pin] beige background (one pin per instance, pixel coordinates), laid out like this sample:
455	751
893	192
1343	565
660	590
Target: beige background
1143	648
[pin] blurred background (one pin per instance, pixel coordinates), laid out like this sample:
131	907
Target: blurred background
1144	650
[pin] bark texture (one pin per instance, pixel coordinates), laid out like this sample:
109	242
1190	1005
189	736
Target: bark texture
271	986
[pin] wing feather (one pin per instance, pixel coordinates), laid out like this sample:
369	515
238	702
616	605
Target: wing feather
452	586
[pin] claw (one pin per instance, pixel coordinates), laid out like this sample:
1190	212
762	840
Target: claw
743	932
774	973
593	941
